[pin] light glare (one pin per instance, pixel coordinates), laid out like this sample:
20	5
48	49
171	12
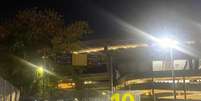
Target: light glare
167	43
103	93
40	71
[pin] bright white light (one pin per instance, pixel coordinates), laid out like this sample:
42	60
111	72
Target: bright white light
40	70
76	99
168	43
103	93
88	82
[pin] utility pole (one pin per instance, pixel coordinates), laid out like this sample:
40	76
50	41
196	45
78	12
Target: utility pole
109	67
184	82
45	76
111	74
173	73
153	88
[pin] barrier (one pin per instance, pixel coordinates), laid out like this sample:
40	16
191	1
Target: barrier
8	92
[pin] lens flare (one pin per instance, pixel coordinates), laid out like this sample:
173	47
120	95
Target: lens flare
132	29
38	68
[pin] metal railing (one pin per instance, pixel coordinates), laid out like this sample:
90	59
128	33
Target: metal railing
8	92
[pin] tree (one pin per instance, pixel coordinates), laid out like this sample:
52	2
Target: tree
33	34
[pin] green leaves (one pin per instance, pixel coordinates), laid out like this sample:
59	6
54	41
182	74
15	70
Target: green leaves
34	29
33	33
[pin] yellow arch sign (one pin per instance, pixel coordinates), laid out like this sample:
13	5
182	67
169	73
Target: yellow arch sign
125	96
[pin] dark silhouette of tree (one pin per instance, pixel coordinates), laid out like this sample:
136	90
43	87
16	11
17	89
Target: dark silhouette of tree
33	34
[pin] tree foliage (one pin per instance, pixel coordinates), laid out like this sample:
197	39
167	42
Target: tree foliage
33	33
34	29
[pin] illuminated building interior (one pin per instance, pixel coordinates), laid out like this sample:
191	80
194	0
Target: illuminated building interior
155	79
159	83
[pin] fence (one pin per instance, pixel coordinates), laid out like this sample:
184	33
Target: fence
8	92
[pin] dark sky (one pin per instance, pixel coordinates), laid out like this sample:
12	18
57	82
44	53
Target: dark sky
180	18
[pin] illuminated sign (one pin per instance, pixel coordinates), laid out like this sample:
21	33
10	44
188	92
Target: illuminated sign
126	96
79	59
66	85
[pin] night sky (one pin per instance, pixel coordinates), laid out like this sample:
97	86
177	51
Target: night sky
179	18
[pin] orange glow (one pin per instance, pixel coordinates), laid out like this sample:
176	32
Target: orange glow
115	47
66	85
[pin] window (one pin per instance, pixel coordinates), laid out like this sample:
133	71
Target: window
165	65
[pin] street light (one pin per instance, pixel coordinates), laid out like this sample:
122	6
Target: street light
167	43
40	76
76	99
104	93
40	71
170	44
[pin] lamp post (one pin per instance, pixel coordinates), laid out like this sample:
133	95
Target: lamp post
40	80
40	71
173	72
170	44
109	68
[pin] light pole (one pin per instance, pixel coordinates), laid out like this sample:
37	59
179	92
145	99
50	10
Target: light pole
40	80
170	44
40	71
173	72
109	68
